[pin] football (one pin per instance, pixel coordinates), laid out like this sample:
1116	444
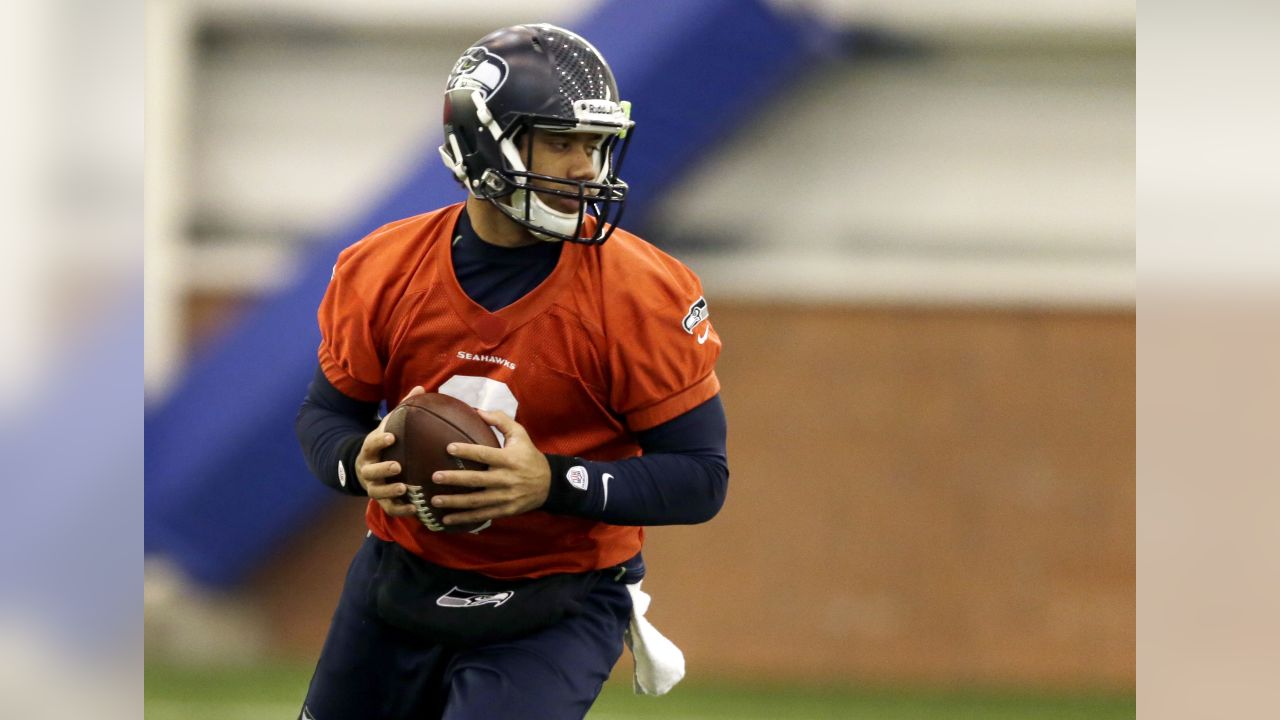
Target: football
424	425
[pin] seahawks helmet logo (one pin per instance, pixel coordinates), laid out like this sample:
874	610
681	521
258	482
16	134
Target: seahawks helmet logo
479	69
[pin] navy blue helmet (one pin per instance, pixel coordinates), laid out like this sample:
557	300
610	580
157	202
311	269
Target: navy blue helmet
536	76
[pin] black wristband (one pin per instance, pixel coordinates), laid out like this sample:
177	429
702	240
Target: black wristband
563	498
345	472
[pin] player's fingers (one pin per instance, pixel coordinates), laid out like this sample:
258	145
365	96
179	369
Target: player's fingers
468	478
380	470
479	453
417	390
374	445
375	442
386	491
471	500
504	422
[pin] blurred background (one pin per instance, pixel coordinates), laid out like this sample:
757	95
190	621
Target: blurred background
915	225
71	407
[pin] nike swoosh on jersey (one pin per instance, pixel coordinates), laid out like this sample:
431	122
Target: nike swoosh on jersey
703	337
605	479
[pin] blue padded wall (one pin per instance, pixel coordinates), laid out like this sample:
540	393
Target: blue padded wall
225	480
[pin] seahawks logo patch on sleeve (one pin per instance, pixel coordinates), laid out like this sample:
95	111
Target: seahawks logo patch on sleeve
697	313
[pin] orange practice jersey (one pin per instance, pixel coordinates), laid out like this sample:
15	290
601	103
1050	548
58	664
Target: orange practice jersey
613	342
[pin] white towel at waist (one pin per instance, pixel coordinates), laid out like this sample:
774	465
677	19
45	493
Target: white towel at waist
659	664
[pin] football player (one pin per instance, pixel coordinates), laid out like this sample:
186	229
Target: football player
588	349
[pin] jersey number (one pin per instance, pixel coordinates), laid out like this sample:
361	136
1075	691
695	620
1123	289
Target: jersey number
482	393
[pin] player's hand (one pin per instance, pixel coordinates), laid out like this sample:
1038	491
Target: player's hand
378	477
517	481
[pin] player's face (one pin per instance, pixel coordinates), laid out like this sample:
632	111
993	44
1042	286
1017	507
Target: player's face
567	155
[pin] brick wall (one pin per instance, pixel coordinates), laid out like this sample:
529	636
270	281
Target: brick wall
917	496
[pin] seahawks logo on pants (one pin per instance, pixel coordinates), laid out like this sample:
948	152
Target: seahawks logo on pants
459	598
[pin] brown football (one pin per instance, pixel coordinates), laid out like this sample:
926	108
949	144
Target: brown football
424	425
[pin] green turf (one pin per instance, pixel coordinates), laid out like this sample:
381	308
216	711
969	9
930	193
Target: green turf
260	693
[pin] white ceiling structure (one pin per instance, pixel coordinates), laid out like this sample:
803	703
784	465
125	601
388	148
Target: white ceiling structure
927	16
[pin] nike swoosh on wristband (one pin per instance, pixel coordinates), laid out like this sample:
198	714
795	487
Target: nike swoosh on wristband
703	337
605	479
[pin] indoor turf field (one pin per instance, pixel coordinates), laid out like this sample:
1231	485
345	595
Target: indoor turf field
260	693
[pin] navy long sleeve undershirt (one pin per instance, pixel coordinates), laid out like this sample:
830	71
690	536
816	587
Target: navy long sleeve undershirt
331	427
681	478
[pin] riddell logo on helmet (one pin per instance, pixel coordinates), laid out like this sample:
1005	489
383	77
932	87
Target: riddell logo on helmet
596	107
479	69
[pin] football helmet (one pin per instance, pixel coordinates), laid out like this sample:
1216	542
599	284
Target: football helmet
540	76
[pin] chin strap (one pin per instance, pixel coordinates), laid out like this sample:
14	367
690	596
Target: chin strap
544	216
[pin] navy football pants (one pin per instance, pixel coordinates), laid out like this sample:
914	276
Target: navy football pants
369	670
